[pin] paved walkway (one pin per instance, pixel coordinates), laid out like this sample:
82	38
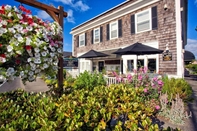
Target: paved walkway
36	86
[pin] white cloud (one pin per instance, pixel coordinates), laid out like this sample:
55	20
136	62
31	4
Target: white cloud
44	15
79	5
192	46
70	17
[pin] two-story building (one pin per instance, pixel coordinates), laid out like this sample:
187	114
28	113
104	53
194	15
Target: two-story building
160	24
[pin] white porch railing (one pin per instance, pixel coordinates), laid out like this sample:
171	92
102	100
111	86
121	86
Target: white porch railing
112	80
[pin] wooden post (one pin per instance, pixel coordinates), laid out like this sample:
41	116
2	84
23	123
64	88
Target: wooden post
60	64
58	16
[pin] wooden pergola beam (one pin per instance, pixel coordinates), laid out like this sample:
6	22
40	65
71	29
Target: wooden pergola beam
41	6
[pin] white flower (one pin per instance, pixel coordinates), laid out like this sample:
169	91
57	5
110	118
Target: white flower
45	48
52	54
53	49
31	78
37	71
33	68
29	60
19	37
37	60
45	65
36	50
19	16
4	22
2	31
16	9
2	60
9	14
22	73
28	41
59	50
44	53
37	54
29	28
31	73
12	30
9	48
10	70
8	7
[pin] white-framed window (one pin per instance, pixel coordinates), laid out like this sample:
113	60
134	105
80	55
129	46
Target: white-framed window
143	21
82	40
114	30
97	35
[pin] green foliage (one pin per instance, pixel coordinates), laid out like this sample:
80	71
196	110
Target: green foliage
177	86
100	109
193	68
89	80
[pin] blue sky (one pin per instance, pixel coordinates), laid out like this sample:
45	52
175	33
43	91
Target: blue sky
80	11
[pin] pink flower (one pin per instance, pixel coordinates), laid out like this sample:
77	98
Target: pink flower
140	77
157	107
135	71
129	77
155	78
145	69
145	90
160	82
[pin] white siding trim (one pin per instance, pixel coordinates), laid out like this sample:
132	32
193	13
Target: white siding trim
132	7
179	42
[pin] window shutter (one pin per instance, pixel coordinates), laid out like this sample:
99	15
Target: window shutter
92	35
154	18
77	41
85	39
133	24
101	34
107	31
120	28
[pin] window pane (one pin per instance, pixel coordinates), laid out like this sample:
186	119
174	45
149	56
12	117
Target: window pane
143	16
82	43
130	65
114	26
114	34
96	35
140	63
143	26
152	65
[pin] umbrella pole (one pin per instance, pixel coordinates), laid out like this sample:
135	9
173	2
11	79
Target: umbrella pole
136	70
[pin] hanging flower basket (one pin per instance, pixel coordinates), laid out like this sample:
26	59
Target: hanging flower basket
28	45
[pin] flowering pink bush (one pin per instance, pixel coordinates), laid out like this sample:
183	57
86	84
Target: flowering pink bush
28	45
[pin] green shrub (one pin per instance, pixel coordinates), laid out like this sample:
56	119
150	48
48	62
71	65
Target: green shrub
89	80
177	86
193	68
100	109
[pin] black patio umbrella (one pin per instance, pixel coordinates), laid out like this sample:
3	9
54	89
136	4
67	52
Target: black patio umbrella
93	54
138	49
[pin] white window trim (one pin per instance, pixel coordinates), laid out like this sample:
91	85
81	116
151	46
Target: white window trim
94	35
110	29
80	40
150	19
